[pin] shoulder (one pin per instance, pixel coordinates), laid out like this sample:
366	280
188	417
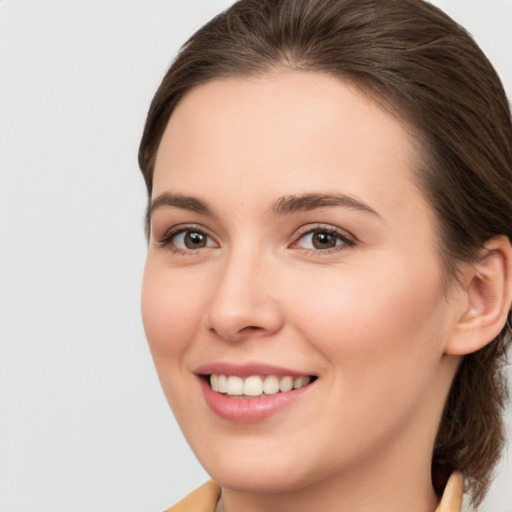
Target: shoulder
203	499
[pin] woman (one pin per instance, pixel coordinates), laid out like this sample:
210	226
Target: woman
328	278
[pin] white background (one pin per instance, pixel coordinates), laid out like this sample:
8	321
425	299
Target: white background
83	423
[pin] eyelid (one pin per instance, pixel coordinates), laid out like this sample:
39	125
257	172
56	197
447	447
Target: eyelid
167	238
348	240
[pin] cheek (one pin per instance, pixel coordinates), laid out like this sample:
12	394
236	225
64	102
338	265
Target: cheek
171	312
381	340
375	324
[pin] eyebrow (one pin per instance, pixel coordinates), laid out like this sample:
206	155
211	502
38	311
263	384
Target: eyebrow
285	205
190	203
311	201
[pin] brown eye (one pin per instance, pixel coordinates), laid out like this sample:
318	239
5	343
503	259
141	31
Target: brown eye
194	240
191	240
324	240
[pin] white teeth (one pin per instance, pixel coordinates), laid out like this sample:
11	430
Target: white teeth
253	386
235	385
286	384
222	383
270	385
256	385
300	382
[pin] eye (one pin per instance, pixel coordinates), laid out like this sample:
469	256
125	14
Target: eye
323	239
191	240
187	239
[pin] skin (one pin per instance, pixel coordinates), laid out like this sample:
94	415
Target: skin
370	317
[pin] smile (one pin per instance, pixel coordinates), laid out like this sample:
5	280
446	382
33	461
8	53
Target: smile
252	392
256	386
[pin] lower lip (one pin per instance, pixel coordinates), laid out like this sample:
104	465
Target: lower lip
249	410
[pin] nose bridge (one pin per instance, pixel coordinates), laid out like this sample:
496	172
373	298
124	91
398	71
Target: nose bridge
243	302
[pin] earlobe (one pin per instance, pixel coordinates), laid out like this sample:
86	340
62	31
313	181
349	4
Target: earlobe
488	298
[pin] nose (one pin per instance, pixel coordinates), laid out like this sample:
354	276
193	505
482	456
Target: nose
243	304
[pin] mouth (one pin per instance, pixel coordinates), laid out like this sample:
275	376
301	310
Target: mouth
252	392
256	386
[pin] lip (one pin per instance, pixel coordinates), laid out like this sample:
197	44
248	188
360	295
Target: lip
247	369
248	410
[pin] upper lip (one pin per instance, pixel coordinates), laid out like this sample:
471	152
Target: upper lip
247	369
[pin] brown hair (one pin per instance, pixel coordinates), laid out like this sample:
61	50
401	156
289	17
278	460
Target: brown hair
428	70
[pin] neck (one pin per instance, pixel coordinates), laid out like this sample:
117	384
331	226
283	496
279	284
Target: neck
399	489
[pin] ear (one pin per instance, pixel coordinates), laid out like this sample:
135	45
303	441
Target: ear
487	298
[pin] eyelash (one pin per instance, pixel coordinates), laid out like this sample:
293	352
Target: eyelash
170	236
345	239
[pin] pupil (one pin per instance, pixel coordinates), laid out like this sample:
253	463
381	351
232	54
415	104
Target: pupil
193	240
323	240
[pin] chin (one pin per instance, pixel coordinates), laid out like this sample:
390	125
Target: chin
260	470
265	479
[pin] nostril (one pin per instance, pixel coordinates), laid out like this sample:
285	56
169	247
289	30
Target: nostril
250	328
243	319
243	329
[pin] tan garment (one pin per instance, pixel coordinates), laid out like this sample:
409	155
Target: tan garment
205	498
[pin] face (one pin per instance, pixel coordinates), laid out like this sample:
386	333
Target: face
293	266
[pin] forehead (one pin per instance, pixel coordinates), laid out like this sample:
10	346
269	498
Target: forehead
286	130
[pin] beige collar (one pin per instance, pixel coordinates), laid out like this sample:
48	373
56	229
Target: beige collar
205	498
452	496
